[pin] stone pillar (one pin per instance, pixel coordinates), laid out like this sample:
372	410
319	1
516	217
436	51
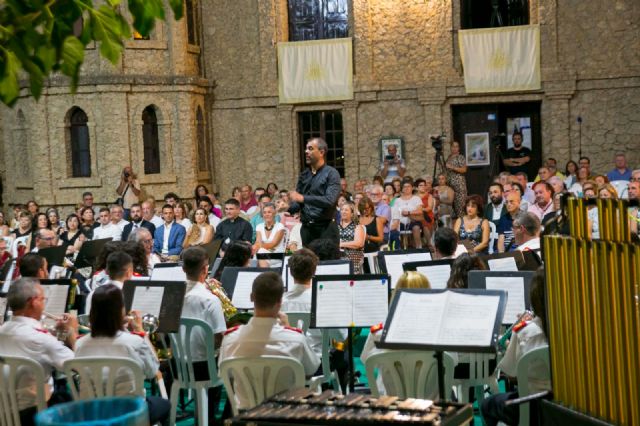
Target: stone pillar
289	143
432	100
351	152
556	120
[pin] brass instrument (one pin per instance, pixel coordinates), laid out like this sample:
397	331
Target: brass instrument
216	289
150	322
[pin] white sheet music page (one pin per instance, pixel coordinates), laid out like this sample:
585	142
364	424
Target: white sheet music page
514	286
371	302
339	269
394	263
507	264
468	319
56	298
147	300
334	304
417	318
438	275
242	292
174	273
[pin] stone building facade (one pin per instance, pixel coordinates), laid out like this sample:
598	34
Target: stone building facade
408	82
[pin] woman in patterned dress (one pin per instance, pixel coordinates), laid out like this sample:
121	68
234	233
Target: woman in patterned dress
456	169
352	236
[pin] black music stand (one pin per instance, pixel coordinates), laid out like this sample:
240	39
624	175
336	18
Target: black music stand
443	307
212	248
482	280
517	256
391	261
89	252
229	281
330	309
54	255
170	306
432	269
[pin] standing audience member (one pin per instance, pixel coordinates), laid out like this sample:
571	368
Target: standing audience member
373	225
424	188
392	165
444	196
268	333
517	158
128	189
168	238
456	170
87	201
352	236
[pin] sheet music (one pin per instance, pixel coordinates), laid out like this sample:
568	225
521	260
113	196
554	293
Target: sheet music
413	309
370	302
57	272
507	264
394	264
147	300
514	286
140	278
333	269
334	304
468	319
56	298
3	309
461	249
438	275
242	291
174	273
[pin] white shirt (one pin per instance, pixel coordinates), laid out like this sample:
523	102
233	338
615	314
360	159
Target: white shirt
186	223
497	210
277	227
265	336
400	205
165	238
295	237
533	244
24	336
121	224
157	221
107	231
87	306
200	303
214	220
526	339
125	345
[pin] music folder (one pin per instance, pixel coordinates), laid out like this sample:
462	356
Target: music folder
436	271
391	261
164	299
54	255
89	252
460	320
238	283
57	294
343	301
169	271
507	261
516	284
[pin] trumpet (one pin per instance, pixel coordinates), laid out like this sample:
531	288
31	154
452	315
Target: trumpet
150	322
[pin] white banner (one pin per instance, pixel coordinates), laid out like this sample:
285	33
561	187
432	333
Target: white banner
503	59
314	71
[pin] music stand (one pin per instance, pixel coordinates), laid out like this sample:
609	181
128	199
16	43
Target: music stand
212	248
436	271
349	301
324	267
89	252
164	299
391	261
460	320
229	279
54	255
502	259
168	272
58	293
516	284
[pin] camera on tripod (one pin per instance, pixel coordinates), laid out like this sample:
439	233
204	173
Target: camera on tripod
437	142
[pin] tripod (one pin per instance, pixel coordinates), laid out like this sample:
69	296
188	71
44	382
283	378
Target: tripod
438	161
496	160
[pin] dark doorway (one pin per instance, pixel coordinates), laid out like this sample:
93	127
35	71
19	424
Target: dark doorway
496	120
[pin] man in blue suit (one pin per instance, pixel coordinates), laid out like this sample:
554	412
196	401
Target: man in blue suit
168	238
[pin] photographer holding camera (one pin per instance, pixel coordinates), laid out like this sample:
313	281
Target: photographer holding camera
128	190
392	165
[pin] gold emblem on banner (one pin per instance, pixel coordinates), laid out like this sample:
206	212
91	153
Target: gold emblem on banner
499	60
314	71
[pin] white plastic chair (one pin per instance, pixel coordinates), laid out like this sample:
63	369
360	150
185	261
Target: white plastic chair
480	375
410	372
181	350
100	377
493	236
12	368
258	377
538	355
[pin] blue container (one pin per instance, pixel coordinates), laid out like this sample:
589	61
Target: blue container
117	411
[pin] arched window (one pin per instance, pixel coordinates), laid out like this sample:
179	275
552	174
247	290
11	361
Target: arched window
203	152
151	141
79	143
193	30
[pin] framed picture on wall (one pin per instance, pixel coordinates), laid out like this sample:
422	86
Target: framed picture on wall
391	141
477	149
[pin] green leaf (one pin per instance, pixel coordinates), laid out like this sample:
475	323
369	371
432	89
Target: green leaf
47	55
9	87
106	29
72	57
177	7
145	13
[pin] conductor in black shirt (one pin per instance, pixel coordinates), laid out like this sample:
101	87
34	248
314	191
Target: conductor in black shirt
316	195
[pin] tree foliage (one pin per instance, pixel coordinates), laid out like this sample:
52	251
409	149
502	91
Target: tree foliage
40	37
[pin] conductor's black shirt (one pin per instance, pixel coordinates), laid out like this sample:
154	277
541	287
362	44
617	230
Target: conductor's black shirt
321	191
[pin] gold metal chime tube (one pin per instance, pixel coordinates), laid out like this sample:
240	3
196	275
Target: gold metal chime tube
594	316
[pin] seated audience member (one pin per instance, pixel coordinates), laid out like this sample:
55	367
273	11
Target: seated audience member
88	222
460	268
33	208
24	336
406	216
543	203
119	269
24	227
44	238
180	213
145	237
505	226
72	238
445	241
526	231
54	221
233	228
620	171
111	336
386	386
87	201
557	184
238	255
106	228
207	205
634	212
528	195
117	217
258	218
582	177
171	198
495	209
168	238
32	265
137	221
200	303
149	213
268	333
270	235
201	231
472	228
248	204
527	336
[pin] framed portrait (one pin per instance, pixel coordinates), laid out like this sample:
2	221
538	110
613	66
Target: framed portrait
385	142
477	151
